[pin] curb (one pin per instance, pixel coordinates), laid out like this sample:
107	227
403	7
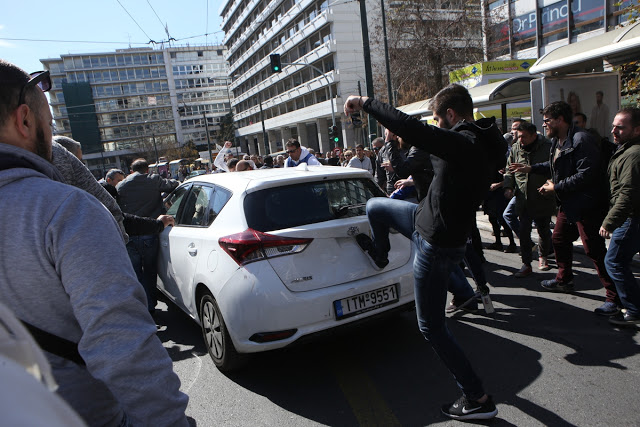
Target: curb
484	225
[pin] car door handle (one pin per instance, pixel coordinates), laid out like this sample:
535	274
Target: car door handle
192	249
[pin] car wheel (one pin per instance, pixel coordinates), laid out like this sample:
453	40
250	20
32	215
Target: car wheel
216	337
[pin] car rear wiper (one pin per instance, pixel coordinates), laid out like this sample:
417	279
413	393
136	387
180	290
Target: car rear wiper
341	211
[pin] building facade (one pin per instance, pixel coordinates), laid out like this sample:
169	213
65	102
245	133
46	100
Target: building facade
530	28
121	104
322	63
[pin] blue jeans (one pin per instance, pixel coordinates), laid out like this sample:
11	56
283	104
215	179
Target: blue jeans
143	253
625	243
385	213
434	270
511	217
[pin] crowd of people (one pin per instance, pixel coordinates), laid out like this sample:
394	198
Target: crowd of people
94	318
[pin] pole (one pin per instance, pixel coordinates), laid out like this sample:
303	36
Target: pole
386	53
264	130
364	136
155	147
373	125
206	128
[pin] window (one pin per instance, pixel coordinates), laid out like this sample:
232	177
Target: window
201	206
173	201
554	22
272	209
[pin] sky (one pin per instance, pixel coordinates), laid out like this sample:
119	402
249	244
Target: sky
73	26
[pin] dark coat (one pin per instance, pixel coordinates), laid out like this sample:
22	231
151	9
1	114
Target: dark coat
577	175
624	176
417	164
526	185
445	217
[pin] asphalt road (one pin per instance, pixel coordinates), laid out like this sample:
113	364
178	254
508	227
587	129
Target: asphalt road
545	358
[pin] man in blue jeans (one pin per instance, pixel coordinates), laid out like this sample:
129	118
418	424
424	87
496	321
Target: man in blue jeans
622	223
141	194
462	154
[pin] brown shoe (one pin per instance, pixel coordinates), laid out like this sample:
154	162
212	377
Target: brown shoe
524	271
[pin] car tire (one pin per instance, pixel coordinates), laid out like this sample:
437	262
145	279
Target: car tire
216	337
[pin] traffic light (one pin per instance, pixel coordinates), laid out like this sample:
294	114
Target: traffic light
276	66
334	134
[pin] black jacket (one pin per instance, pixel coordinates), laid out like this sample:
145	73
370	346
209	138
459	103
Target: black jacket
577	175
417	164
445	217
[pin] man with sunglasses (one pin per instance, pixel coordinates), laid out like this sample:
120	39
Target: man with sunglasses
577	170
299	154
88	315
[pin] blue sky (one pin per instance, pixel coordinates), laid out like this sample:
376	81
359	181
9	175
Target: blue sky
101	20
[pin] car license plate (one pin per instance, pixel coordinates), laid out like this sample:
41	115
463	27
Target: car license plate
366	301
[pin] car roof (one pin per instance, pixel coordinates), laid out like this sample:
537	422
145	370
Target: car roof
264	178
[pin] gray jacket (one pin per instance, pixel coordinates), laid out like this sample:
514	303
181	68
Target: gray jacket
53	275
140	193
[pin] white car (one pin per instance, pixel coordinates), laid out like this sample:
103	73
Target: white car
262	258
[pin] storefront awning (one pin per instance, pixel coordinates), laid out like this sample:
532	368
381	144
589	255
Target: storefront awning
616	47
511	90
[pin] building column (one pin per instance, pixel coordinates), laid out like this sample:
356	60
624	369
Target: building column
260	138
322	126
302	134
286	135
273	147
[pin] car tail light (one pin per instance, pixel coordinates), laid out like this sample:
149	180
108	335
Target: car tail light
252	245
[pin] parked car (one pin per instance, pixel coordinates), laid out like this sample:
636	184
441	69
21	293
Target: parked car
195	173
262	258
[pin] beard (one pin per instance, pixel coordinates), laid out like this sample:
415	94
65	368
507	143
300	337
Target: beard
43	149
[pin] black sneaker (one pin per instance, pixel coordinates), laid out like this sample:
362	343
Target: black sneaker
470	305
609	308
366	244
555	286
511	249
625	319
465	409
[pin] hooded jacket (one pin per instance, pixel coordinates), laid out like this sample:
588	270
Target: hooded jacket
53	275
461	165
305	157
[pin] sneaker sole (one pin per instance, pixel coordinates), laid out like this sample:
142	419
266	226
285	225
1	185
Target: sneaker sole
473	416
606	313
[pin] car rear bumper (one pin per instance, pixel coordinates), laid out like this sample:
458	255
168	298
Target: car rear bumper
250	306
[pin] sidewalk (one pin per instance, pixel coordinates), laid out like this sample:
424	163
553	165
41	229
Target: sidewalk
484	225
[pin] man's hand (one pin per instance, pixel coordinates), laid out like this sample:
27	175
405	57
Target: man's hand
167	220
508	193
547	188
402	183
387	166
354	104
604	233
495	186
519	167
228	144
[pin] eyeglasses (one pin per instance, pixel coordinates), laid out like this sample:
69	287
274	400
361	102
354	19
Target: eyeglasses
292	151
40	78
545	121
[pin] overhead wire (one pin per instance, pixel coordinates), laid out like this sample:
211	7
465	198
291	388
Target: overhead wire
164	26
125	9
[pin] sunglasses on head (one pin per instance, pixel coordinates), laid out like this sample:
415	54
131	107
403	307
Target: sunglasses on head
40	78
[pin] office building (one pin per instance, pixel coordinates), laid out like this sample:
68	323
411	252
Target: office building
325	44
132	102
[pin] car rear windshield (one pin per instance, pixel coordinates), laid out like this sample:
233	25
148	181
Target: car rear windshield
308	203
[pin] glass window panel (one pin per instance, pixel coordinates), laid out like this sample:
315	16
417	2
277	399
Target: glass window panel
554	22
